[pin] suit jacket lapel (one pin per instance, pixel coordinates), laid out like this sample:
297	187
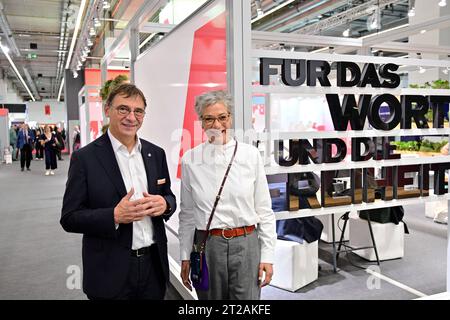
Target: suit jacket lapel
150	167
108	160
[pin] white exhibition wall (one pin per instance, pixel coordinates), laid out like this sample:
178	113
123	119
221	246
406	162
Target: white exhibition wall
185	63
165	75
4	132
36	112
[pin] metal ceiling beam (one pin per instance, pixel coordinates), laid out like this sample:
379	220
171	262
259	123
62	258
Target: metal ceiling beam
303	40
307	11
151	27
141	17
411	48
4	25
346	16
31	82
438	23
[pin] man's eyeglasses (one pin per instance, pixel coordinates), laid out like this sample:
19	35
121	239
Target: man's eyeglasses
139	113
223	118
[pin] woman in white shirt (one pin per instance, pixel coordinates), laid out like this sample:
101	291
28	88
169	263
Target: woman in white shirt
241	240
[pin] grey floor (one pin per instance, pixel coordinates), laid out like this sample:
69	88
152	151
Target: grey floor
423	268
38	260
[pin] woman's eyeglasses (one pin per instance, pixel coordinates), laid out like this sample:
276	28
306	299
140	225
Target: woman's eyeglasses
208	120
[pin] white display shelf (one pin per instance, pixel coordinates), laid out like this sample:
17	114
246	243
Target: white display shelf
274	135
259	53
346	164
281	215
318	90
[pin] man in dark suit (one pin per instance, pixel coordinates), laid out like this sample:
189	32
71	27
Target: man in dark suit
25	137
118	196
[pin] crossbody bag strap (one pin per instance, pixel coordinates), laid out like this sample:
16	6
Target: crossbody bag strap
202	246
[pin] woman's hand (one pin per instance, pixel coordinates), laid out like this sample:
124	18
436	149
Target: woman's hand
185	269
268	269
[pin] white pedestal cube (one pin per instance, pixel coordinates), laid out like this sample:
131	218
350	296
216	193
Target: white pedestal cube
327	232
8	159
434	207
296	264
389	238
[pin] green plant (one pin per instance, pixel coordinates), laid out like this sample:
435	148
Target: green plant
437	84
440	84
110	84
424	146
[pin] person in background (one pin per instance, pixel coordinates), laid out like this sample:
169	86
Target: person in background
60	143
118	196
76	138
25	140
63	133
241	241
13	141
48	140
38	146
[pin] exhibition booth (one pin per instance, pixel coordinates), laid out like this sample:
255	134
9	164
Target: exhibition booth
90	104
4	134
338	117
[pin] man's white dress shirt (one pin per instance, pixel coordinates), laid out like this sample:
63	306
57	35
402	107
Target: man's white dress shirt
133	173
245	197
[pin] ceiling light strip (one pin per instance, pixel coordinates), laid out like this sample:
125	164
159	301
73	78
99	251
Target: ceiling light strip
273	10
60	89
17	72
75	32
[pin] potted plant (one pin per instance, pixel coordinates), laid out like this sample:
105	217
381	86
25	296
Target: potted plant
436	84
108	85
107	88
422	147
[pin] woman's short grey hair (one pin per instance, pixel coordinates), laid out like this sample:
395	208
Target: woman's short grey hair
212	97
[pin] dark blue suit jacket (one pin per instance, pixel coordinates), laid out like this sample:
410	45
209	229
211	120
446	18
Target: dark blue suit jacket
21	138
94	187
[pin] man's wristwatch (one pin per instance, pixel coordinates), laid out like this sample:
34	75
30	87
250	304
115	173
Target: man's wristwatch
168	209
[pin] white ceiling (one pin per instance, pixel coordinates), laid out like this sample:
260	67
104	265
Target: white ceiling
40	22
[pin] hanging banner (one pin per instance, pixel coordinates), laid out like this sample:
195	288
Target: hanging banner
47	110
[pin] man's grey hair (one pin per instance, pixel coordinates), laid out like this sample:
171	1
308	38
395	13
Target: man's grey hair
212	97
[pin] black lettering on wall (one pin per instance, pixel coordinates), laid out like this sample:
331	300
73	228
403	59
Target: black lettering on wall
286	73
394	78
402	181
318	70
278	153
438	103
355	73
265	71
327	153
369	76
369	149
415	107
395	111
349	111
439	177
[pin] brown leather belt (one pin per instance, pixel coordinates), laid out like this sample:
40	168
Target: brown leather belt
230	233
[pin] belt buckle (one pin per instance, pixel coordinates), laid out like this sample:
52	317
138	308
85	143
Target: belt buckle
223	233
138	254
